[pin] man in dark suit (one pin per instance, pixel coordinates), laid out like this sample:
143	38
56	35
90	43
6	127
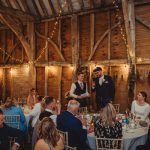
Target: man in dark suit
67	122
6	132
104	87
79	90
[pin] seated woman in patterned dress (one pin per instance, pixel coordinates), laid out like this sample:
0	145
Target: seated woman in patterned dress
106	125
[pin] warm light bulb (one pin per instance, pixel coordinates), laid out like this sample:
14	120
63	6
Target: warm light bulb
12	72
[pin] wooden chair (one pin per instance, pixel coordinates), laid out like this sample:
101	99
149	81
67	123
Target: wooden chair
13	121
65	135
83	110
70	148
117	107
109	144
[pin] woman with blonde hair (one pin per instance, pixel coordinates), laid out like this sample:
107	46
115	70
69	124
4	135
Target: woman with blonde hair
106	124
10	108
49	138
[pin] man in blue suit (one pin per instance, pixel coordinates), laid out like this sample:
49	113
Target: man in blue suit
67	122
104	87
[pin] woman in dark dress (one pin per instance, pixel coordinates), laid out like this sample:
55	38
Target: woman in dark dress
106	125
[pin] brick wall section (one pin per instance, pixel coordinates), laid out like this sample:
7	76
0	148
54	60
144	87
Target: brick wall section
84	37
40	80
66	39
53	84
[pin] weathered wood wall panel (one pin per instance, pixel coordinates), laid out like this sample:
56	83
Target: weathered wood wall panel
53	84
120	77
84	37
40	80
67	73
142	80
1	83
20	84
8	83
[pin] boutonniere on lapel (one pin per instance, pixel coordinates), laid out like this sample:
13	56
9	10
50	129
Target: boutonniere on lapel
105	81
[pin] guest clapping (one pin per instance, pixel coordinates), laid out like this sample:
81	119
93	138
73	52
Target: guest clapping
140	108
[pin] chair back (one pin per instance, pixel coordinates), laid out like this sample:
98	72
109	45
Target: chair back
109	144
117	107
13	121
65	135
83	110
70	148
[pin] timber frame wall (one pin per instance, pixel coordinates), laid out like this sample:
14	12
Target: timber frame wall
80	40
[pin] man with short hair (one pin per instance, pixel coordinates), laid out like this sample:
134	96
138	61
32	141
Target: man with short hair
104	87
67	122
6	132
79	90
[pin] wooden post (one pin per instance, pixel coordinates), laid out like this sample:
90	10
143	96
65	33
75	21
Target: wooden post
4	85
32	69
46	59
109	40
75	44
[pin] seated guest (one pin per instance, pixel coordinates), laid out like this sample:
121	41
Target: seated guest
49	138
6	132
35	113
140	107
146	146
67	122
32	98
49	105
50	108
106	125
10	108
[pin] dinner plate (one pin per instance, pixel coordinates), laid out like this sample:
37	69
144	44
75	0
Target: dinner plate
130	131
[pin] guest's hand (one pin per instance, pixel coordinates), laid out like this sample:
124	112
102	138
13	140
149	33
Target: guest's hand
83	120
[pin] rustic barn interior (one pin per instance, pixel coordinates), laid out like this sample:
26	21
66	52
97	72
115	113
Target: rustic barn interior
43	43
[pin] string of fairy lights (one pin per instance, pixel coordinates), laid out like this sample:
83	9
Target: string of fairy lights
46	43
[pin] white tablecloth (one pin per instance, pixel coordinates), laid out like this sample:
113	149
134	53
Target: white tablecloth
130	140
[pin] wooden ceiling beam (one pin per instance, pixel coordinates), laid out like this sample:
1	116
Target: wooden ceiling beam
79	13
16	13
44	9
36	8
25	5
70	7
140	3
52	7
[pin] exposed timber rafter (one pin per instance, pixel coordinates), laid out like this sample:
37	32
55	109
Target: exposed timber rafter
100	40
52	42
145	23
16	13
16	29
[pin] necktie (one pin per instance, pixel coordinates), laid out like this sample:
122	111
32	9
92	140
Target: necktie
81	85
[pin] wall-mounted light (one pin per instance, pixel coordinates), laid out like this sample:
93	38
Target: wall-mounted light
13	71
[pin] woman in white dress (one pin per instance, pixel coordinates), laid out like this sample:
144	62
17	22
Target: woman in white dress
140	108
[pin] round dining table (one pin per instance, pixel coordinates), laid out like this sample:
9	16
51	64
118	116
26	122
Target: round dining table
131	138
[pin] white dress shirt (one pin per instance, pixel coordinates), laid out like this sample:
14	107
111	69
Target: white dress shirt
101	79
53	117
140	111
73	88
35	113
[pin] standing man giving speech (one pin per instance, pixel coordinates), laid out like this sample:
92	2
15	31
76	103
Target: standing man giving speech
104	87
79	90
